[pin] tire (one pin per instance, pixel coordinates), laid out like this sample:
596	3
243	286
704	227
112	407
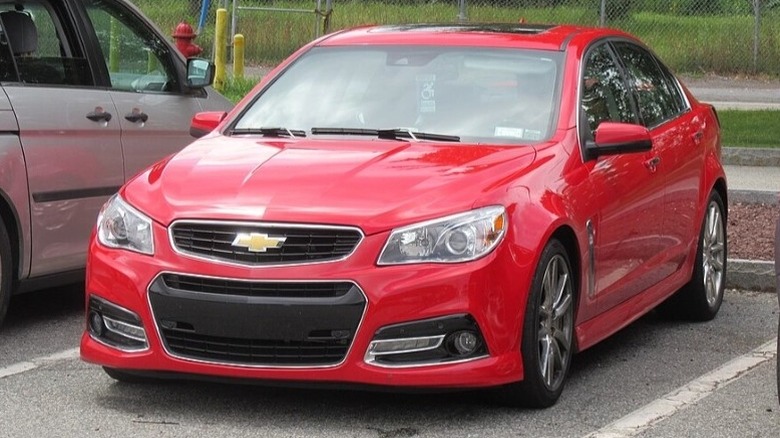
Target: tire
700	299
547	344
6	272
125	377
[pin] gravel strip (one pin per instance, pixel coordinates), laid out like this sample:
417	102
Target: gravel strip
751	229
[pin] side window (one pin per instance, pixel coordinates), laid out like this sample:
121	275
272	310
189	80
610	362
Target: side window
657	98
136	58
604	94
674	88
39	45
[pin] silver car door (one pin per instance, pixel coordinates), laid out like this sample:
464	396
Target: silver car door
154	110
68	129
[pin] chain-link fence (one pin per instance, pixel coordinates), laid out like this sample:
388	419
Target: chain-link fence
692	36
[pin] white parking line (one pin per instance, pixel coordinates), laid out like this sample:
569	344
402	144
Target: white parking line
23	367
684	396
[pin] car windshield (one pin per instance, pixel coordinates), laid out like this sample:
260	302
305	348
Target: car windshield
474	94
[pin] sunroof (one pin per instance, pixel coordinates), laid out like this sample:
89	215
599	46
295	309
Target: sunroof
519	28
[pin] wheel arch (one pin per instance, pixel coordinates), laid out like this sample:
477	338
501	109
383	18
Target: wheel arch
10	219
720	187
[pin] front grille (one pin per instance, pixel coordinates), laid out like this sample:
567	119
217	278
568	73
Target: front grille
258	323
256	289
255	351
302	244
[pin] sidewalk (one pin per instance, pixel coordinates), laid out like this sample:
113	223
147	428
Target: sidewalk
762	179
735	93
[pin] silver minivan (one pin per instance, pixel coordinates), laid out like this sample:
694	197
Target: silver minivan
91	93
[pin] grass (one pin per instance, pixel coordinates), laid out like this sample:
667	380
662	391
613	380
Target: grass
759	128
237	88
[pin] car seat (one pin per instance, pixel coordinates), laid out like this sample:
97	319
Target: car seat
22	37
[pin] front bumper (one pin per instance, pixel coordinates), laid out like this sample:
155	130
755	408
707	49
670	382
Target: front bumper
490	291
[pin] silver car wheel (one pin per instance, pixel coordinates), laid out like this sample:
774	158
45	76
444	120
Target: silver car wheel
713	253
556	316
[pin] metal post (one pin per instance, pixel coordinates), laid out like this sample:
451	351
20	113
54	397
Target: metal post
603	14
756	32
234	19
233	30
328	11
462	11
317	18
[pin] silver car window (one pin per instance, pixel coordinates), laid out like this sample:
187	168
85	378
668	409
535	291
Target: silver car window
40	44
136	58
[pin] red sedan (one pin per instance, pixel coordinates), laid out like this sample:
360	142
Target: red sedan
423	206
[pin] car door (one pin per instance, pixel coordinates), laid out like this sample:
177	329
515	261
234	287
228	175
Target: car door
677	135
154	107
627	195
67	127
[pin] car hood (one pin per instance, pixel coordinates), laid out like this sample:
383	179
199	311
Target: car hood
373	184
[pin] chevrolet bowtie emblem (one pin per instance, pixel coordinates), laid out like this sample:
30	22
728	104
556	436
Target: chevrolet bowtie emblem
258	242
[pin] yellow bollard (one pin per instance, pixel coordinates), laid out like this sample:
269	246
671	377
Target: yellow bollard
238	56
113	46
220	58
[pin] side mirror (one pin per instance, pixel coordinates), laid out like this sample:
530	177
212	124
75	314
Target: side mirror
205	122
613	138
200	73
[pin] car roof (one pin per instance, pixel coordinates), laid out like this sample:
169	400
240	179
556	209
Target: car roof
530	36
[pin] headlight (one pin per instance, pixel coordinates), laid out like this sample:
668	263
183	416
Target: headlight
122	226
452	239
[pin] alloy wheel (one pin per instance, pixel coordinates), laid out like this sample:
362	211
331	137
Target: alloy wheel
556	316
713	253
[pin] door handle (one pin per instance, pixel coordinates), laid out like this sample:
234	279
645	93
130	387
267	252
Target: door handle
136	115
698	135
99	115
652	164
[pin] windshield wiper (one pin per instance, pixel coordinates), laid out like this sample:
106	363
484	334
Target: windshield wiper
271	132
388	134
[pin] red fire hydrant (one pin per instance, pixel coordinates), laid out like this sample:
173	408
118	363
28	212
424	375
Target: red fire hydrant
183	36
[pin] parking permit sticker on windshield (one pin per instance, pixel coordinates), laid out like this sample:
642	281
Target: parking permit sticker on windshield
426	93
506	131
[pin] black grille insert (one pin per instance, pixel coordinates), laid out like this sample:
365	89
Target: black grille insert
255	288
302	244
256	351
262	323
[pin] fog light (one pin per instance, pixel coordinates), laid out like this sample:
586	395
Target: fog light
452	338
115	326
124	329
465	342
398	346
96	323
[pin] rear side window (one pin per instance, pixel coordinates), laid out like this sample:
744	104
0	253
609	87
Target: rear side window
39	45
657	97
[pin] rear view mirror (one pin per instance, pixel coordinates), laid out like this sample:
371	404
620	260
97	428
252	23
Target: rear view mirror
205	122
614	138
200	73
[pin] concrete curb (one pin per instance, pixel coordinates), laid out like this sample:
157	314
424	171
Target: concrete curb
755	275
751	156
765	197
